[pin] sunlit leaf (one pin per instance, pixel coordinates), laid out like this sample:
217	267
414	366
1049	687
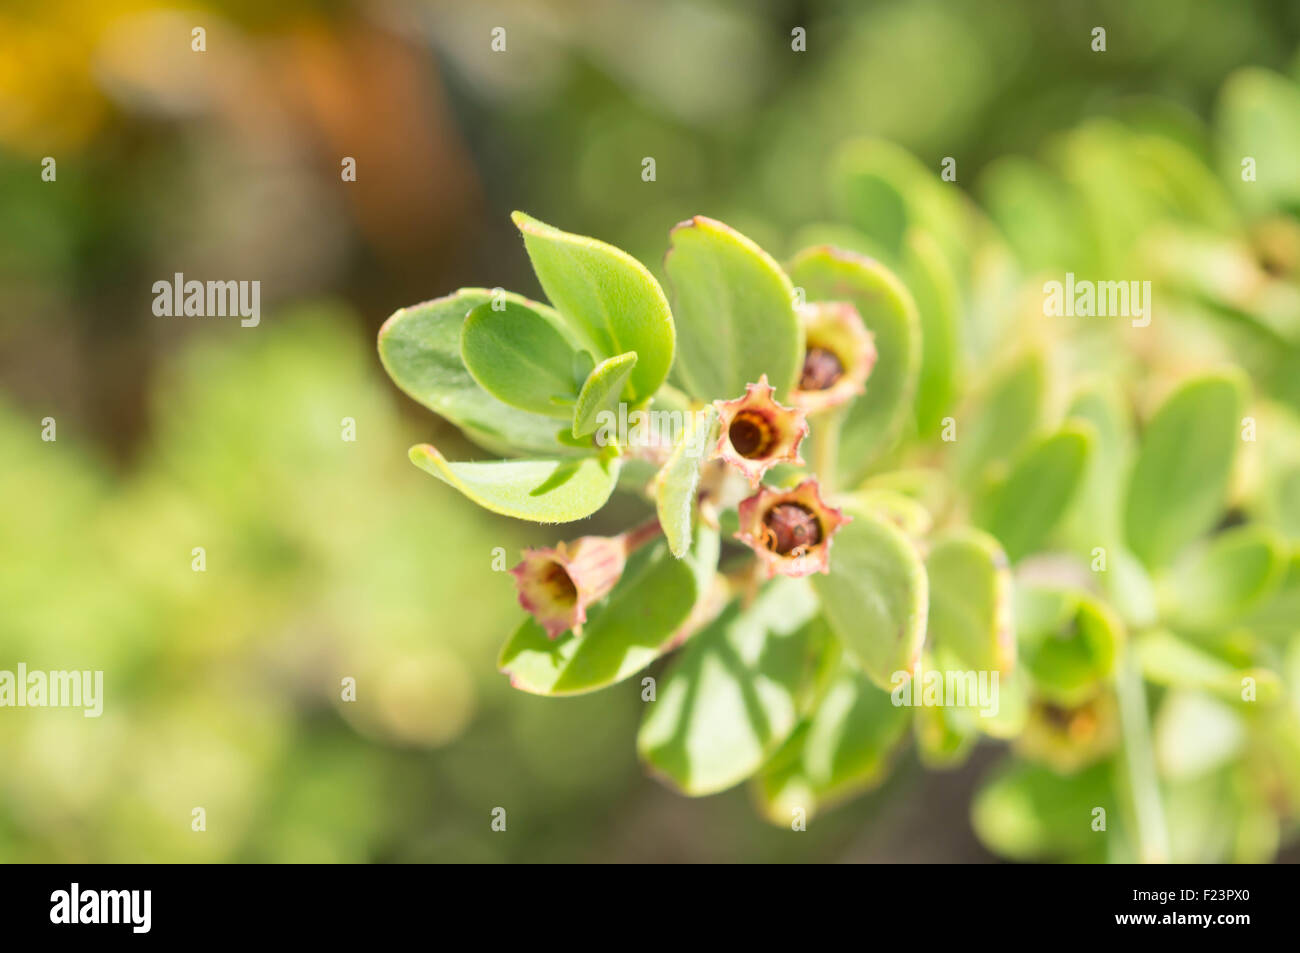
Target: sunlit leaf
876	596
608	298
543	491
601	392
420	348
1178	484
1214	584
971	600
521	357
731	699
1022	510
734	309
677	482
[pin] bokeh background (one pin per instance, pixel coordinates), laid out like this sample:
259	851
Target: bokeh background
328	558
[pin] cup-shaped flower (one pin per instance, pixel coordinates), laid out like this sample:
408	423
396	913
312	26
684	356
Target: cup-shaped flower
839	354
790	530
558	584
755	432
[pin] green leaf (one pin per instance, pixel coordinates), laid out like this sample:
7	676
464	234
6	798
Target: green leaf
1023	509
1215	583
608	299
732	697
971	600
874	184
1094	518
1005	415
602	391
876	596
842	749
734	309
420	349
677	482
1166	659
622	635
543	491
1032	813
1068	641
1130	589
930	279
1196	734
520	356
1180	479
1259	116
1278	618
945	736
897	507
873	421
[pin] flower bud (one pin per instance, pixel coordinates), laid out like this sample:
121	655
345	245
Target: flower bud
558	584
790	530
755	432
839	354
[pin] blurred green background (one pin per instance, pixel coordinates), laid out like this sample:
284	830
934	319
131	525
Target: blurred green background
329	559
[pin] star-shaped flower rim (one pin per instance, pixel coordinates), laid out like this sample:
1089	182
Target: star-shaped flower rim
790	530
755	433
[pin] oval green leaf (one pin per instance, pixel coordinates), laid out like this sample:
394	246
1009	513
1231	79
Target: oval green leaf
876	596
733	697
420	349
520	357
608	299
734	309
1022	510
1214	584
602	391
1005	415
841	750
543	491
971	600
1180	478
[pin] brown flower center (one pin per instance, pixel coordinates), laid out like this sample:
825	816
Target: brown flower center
751	435
556	579
791	526
821	369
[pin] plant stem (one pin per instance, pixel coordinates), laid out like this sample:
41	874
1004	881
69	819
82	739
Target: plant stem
638	536
826	448
1139	765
